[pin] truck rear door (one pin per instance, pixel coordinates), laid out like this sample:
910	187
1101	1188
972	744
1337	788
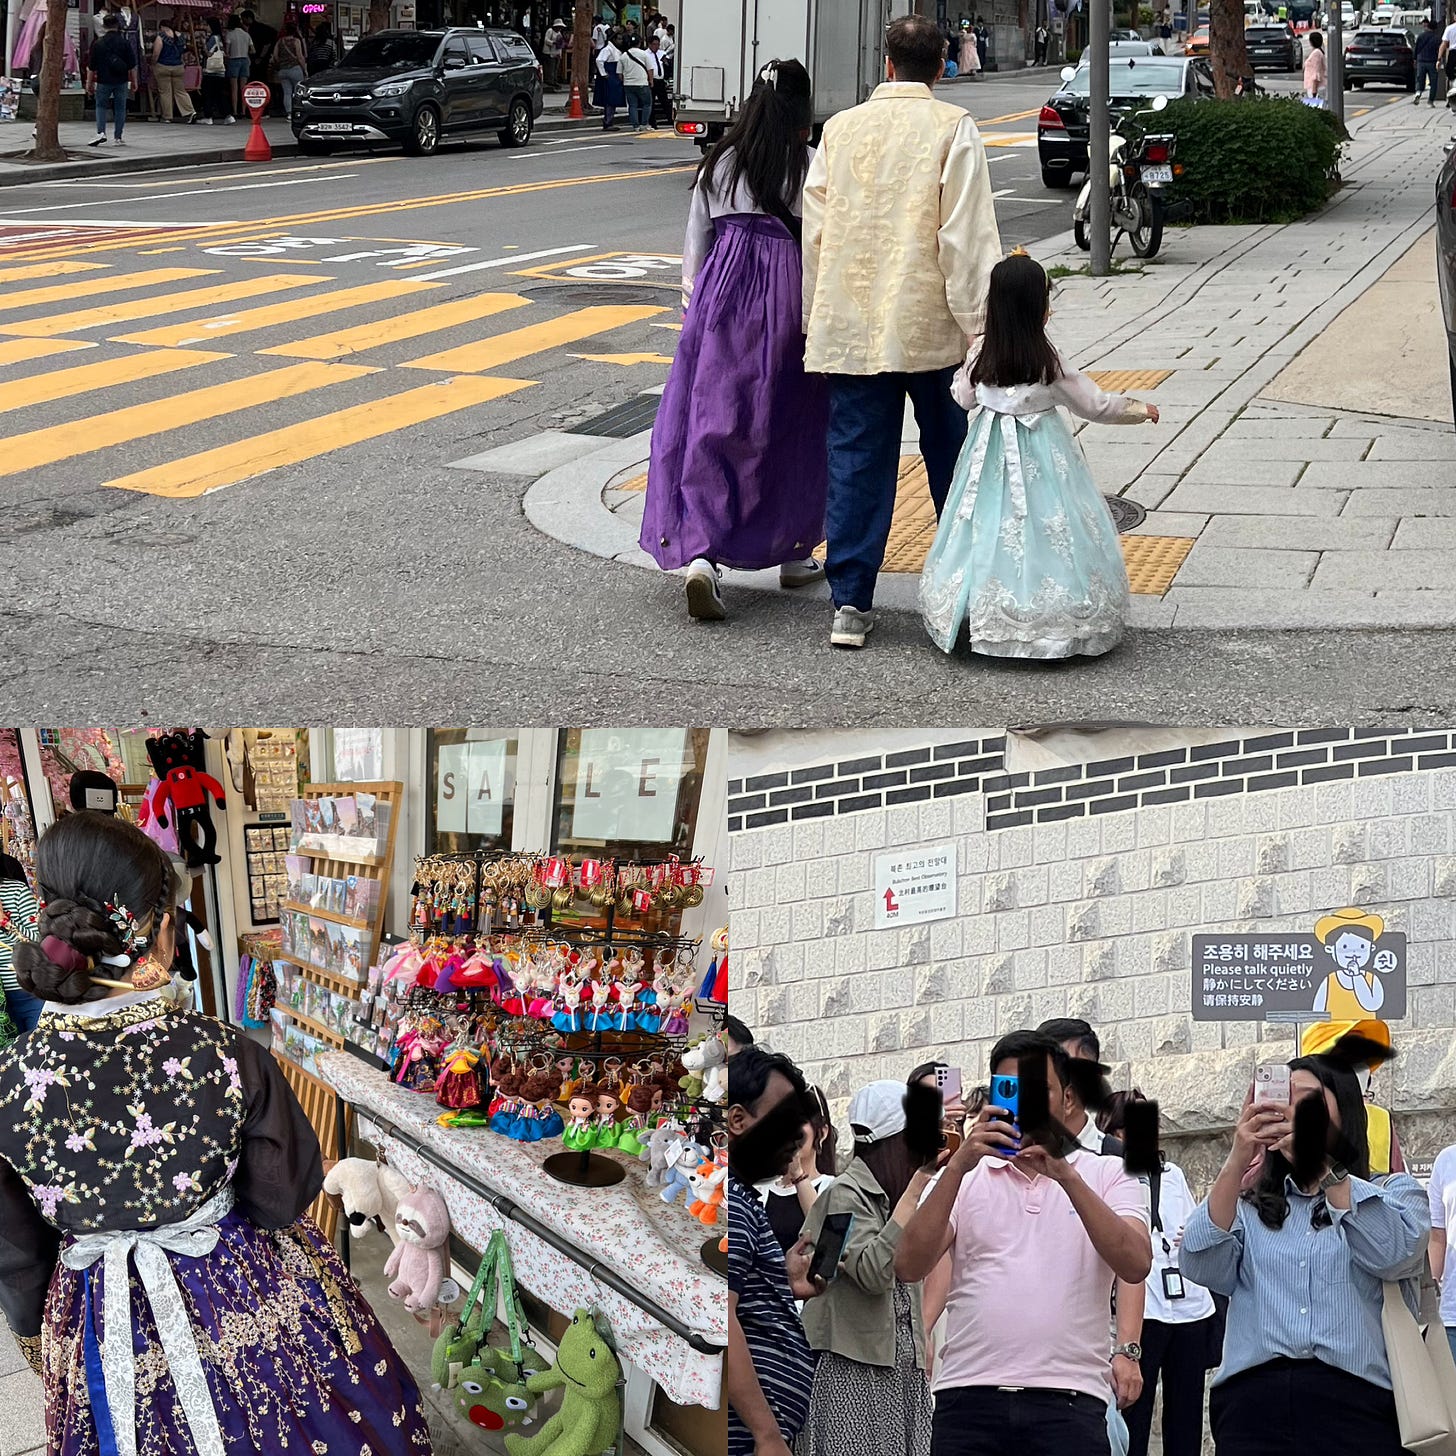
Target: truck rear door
709	58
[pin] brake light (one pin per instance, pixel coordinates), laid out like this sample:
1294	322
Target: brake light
1157	151
1050	117
691	129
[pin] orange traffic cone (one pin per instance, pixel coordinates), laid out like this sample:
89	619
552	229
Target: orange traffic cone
574	111
258	149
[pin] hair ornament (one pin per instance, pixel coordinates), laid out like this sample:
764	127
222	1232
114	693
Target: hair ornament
1018	252
770	75
127	929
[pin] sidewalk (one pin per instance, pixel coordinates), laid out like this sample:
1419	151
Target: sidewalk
1304	473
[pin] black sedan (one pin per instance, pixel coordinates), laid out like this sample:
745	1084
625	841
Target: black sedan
1446	257
1382	56
1273	47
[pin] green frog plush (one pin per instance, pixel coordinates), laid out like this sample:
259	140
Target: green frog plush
490	1393
590	1418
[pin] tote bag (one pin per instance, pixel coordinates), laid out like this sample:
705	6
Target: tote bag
1422	1371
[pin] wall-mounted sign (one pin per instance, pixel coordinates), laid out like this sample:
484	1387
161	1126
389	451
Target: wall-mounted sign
914	885
470	787
1349	969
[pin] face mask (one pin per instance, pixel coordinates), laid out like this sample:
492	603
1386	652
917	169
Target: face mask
767	1148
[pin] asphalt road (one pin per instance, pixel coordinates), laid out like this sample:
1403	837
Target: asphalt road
230	400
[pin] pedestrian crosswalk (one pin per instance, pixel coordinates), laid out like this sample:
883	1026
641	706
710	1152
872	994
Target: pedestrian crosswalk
148	353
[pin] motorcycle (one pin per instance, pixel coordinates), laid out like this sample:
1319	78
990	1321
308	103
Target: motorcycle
1140	167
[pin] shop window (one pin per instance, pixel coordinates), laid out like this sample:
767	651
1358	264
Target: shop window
358	755
628	793
472	778
66	751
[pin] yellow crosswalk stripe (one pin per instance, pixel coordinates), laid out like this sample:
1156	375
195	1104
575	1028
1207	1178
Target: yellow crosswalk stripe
228	464
22	351
92	288
404	326
46	270
116	313
38	448
62	383
522	343
201	331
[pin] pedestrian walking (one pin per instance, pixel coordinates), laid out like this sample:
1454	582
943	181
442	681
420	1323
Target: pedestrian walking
1428	48
661	101
168	54
738	473
899	240
292	63
870	1395
1441	1191
215	105
111	73
969	54
610	93
239	54
1026	557
669	51
323	54
1302	1257
1316	70
1446	58
19	915
1041	44
638	70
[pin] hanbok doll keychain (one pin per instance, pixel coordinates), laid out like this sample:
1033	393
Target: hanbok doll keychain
567	1016
627	990
609	1111
600	1016
581	1132
632	1134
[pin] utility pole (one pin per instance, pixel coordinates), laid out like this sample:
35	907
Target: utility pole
1335	60
1099	131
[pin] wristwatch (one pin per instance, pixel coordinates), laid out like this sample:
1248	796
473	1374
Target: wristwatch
1337	1174
1132	1350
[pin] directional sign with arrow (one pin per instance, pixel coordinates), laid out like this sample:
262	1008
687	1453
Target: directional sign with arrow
915	884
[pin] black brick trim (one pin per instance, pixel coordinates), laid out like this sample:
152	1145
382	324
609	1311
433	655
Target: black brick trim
766	781
906	757
1054	812
1326	774
801	795
746	803
1387	766
1008	821
770	816
958	750
908	796
814	811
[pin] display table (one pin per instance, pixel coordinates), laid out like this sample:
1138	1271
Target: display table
627	1229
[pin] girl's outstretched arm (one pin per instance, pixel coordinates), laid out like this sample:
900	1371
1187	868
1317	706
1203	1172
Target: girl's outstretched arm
1082	396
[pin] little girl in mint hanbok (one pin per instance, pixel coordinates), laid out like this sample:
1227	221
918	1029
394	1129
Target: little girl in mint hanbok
1026	555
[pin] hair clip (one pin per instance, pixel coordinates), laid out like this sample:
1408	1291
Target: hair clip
127	930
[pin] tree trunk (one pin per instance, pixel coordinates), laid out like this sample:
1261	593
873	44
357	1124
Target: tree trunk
48	104
1226	46
581	53
378	15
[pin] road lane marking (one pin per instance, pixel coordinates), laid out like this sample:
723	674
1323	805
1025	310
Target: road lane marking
92	288
39	448
477	357
502	262
1011	139
226	465
344	342
45	270
23	212
1010	116
85	378
271	314
536	157
120	313
189	174
22	351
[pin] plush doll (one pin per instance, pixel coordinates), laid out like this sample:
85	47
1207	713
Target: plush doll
180	764
707	1062
92	790
417	1265
490	1392
356	1181
590	1418
707	1185
680	1156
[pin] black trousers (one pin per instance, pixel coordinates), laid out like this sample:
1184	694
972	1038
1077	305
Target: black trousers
1179	1353
1302	1405
981	1420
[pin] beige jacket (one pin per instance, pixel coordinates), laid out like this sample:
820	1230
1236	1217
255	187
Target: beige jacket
899	236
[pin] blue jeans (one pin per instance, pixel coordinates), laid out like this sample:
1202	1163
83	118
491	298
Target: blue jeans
639	105
24	1010
1426	71
866	415
110	96
1451	1338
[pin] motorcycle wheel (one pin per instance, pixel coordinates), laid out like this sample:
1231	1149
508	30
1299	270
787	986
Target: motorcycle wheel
1079	235
1147	237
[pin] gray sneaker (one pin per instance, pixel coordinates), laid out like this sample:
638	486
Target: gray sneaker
851	627
807	572
705	599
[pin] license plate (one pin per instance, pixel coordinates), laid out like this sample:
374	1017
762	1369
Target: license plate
1157	174
333	126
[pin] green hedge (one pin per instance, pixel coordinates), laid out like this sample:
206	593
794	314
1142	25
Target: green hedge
1255	160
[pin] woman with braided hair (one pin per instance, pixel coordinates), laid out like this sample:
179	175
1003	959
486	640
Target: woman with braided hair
139	1138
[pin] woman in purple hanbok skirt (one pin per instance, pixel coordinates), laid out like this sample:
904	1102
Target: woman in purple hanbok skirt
739	468
156	1263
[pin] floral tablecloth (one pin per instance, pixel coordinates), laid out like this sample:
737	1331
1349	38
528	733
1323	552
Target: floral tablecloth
627	1228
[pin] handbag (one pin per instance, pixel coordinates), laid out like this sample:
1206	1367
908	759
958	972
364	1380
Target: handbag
1422	1371
216	63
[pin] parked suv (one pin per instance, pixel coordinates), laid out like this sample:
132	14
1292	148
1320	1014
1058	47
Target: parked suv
1385	55
419	88
1273	46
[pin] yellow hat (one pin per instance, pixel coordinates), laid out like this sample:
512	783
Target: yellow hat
1348	919
1323	1035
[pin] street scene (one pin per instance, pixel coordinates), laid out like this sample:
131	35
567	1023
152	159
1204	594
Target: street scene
350	406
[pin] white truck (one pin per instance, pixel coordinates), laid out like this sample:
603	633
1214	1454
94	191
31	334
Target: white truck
723	44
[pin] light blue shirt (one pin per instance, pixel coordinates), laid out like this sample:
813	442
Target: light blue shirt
1304	1293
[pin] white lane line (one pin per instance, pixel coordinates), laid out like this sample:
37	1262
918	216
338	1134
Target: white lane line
196	192
597	147
501	262
166	180
151	224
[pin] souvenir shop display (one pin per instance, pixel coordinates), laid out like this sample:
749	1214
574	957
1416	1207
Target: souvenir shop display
258	967
586	1371
369	1192
175	810
416	1268
350	823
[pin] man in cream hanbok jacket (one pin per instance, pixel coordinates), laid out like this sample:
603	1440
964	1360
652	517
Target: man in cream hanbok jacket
899	241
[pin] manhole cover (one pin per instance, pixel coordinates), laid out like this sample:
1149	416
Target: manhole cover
610	294
625	420
1126	515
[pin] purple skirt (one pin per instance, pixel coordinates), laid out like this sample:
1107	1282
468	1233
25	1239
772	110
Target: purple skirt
293	1355
739	468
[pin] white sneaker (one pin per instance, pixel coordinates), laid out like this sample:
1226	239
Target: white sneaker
99	140
229	121
117	142
705	599
851	627
807	572
204	121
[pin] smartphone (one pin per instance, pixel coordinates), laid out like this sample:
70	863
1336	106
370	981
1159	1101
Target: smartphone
1006	1094
1271	1083
950	1140
949	1081
829	1247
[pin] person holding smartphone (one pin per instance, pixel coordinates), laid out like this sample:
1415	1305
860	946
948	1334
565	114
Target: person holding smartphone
871	1396
1302	1255
789	1197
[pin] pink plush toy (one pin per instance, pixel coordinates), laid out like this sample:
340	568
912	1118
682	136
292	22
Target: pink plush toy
417	1265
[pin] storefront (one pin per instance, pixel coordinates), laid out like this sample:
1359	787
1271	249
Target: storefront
388	908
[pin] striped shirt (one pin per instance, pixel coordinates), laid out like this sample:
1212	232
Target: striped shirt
769	1317
1307	1293
18	917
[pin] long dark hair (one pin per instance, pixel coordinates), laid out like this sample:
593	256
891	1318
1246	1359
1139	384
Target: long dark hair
1015	348
1349	1142
892	1163
765	147
12	869
826	1153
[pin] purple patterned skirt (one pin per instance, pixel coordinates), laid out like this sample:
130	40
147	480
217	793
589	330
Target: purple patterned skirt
294	1358
739	468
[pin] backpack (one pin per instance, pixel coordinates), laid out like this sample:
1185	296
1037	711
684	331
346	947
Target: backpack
171	53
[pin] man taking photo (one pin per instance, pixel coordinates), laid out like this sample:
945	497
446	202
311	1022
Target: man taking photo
1035	1241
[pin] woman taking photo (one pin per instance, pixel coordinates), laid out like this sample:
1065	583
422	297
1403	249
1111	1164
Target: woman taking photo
871	1396
740	464
789	1198
1302	1257
120	1112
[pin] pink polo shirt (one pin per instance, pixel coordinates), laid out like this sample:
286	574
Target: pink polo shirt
1030	1297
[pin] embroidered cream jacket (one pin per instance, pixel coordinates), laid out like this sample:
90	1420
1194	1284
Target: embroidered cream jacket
899	236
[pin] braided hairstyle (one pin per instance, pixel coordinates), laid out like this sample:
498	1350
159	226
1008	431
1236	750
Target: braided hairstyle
83	863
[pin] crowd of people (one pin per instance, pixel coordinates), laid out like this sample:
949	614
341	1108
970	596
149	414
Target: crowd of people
631	69
1026	1288
823	289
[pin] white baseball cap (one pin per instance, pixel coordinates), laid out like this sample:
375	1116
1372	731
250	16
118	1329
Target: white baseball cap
879	1109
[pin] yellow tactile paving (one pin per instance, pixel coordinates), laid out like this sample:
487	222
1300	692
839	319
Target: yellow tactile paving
1153	561
1120	381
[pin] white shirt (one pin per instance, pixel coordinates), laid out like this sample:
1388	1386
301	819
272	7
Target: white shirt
608	52
599	36
636	66
1175	1206
1449	38
1442	1193
1078	393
